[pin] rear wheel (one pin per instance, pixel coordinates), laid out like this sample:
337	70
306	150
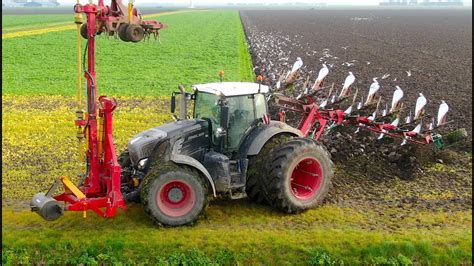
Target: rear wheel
299	175
174	195
256	171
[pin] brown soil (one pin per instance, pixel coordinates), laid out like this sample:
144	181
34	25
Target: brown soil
434	45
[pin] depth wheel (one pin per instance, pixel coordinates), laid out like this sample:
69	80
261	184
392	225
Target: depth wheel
299	175
134	33
174	195
122	32
84	30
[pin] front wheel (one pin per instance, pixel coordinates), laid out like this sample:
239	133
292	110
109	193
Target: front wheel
174	195
299	175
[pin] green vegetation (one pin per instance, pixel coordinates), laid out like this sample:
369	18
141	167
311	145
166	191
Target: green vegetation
16	22
39	144
193	49
237	231
39	139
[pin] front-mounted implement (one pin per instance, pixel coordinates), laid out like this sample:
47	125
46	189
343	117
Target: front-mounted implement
100	188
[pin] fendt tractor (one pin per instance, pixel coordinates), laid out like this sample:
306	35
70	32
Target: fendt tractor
174	168
229	147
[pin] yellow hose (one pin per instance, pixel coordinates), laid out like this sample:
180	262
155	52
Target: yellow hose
130	9
78	21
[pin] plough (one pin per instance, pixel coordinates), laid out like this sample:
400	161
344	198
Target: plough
319	118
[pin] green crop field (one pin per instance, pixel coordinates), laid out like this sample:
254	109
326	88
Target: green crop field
39	144
15	22
192	50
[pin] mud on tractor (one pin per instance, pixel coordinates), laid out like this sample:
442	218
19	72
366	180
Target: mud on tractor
229	147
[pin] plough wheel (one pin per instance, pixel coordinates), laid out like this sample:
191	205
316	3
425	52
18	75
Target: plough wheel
299	175
84	30
134	33
122	32
174	195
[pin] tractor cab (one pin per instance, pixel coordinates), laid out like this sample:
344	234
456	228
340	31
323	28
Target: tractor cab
231	108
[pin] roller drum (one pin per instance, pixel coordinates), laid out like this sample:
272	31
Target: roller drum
47	207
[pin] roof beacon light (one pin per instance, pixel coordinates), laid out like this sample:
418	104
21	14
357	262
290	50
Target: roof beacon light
259	79
221	75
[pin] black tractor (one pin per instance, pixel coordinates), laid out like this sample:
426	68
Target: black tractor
230	148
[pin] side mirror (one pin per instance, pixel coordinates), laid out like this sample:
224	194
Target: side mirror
173	103
225	117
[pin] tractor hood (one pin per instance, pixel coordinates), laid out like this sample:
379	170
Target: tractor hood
142	145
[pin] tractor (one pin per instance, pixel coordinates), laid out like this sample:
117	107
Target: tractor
230	148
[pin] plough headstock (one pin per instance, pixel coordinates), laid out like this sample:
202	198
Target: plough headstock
365	115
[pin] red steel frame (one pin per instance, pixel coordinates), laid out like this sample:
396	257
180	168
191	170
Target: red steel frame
109	18
102	183
314	121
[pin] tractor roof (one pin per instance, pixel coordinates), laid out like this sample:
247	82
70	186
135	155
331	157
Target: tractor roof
231	88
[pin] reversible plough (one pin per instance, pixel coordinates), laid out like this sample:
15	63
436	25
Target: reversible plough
319	106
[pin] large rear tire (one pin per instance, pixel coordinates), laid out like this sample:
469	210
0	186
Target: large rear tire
256	171
299	175
174	195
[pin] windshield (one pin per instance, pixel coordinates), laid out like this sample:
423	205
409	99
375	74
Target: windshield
243	110
206	107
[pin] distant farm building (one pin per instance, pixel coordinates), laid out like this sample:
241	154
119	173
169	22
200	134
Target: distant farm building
421	2
442	3
394	3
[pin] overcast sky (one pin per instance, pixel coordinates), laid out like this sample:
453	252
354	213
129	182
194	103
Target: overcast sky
205	2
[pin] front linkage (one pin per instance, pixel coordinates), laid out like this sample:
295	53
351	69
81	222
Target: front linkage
100	190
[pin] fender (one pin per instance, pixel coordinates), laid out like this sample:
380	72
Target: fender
188	160
257	138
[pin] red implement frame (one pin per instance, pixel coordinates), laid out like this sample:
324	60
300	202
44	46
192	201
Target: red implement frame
314	121
102	183
109	18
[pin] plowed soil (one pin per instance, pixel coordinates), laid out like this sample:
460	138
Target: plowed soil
422	51
434	45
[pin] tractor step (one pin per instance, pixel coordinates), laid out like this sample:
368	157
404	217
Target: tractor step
238	193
